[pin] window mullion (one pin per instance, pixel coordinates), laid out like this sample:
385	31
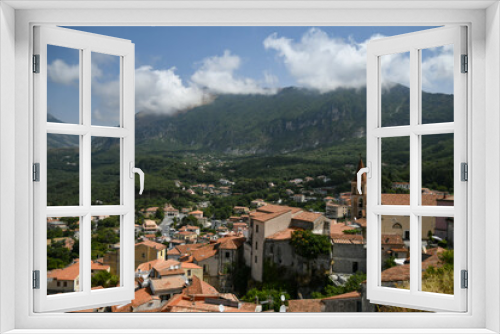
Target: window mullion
85	229
414	168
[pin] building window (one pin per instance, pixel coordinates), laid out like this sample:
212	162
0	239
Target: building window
227	255
256	228
397	226
255	258
256	245
189	272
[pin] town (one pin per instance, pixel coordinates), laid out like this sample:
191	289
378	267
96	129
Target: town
301	252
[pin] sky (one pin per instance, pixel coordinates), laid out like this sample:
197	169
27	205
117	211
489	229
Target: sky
178	68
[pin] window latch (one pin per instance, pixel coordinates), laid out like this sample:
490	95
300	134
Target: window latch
36	172
368	171
134	171
464	171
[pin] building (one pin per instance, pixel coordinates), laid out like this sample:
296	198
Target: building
299	198
150	226
64	280
170	212
197	214
148	250
336	211
150	212
271	226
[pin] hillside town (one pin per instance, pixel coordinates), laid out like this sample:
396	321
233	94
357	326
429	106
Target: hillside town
270	256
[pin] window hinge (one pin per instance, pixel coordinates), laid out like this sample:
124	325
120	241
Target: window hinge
36	279
36	172
464	168
465	64
465	279
36	63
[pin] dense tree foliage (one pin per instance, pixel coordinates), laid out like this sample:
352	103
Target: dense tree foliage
310	245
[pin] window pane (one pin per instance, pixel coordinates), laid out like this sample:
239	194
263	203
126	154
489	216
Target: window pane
63	85
395	171
105	251
437	168
395	241
437	254
105	89
437	84
63	170
395	89
63	253
105	171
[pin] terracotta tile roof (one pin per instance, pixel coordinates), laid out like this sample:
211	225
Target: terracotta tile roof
264	217
337	229
152	209
304	305
204	253
196	212
170	209
397	273
142	296
392	239
127	308
167	283
194	228
404	199
349	295
231	242
283	235
199	287
187	233
162	266
188	265
354	239
150	223
171	272
361	222
270	208
98	266
183	228
188	249
308	216
173	251
152	244
69	273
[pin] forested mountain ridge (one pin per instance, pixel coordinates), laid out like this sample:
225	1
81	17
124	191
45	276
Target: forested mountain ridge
292	120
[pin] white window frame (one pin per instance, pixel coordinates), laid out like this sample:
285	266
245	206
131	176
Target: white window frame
413	43
85	43
484	102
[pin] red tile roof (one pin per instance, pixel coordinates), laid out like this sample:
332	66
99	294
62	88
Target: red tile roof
404	199
392	239
308	216
231	242
152	244
349	295
397	273
304	305
283	235
167	283
199	287
207	251
69	273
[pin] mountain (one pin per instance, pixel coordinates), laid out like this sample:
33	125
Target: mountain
292	120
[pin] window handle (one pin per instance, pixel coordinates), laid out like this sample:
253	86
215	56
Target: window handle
366	170
139	171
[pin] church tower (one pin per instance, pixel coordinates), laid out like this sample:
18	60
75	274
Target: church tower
358	202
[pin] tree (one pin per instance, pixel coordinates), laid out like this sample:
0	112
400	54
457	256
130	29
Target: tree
310	245
160	214
105	279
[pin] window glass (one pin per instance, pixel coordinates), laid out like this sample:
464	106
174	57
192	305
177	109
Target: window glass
63	255
63	85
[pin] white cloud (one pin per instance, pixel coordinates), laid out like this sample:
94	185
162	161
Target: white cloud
162	91
320	62
62	73
325	63
216	74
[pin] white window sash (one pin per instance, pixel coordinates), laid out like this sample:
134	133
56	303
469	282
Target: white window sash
412	43
86	43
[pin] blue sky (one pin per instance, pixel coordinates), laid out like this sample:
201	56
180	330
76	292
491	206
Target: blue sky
181	67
